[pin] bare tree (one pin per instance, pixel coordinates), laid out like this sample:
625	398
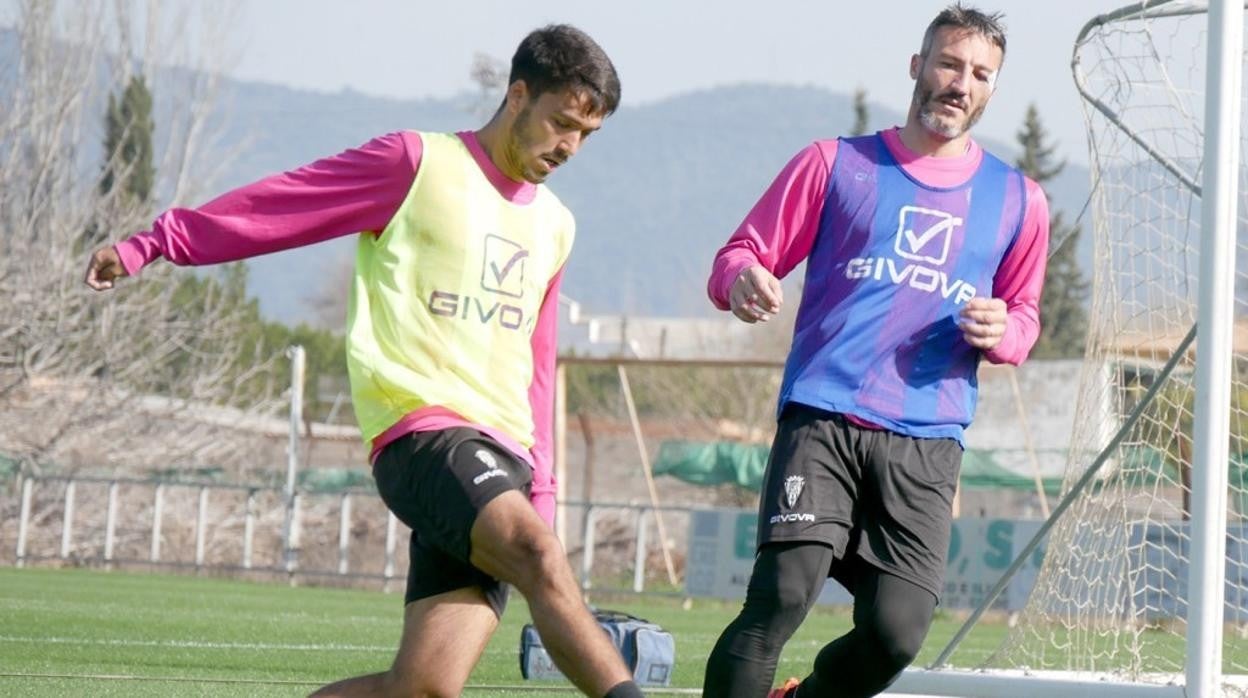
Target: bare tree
123	380
490	75
329	301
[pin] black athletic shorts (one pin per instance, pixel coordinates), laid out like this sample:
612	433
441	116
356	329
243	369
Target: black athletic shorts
437	482
875	496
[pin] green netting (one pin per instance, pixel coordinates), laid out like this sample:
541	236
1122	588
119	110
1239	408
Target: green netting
335	479
207	473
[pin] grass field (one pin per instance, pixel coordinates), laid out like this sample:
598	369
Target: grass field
76	632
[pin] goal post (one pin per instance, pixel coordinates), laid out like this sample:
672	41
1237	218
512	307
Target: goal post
1144	585
1214	369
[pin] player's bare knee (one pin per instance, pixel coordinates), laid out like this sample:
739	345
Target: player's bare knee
538	561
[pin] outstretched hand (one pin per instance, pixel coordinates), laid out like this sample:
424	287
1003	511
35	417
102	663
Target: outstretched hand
104	268
983	322
756	295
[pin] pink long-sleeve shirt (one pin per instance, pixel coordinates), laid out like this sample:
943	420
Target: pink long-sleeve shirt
357	190
779	232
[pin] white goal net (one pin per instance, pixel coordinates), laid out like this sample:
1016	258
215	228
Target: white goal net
1112	596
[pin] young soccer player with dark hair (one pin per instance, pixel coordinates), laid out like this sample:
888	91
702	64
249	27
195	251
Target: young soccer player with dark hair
451	350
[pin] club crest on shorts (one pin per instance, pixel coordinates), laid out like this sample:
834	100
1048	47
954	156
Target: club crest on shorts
491	464
486	457
793	488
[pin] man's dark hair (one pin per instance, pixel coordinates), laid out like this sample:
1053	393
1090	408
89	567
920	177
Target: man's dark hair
561	57
986	25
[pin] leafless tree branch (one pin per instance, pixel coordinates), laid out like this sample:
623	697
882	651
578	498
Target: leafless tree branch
77	368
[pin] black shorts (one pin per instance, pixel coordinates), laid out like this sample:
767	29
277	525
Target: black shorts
875	496
437	482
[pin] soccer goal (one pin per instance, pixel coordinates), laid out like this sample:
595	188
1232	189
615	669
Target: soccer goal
1144	585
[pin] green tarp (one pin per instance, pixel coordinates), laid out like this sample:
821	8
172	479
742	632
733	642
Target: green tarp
714	463
984	469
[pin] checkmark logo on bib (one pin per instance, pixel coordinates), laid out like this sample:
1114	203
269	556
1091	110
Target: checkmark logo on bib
503	267
924	234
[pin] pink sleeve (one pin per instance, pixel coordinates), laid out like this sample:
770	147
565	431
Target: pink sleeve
542	402
780	230
1020	279
354	191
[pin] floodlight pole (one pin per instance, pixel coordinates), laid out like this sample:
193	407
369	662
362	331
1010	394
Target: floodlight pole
1211	430
297	365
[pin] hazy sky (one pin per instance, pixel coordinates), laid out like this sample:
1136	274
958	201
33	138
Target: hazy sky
416	48
410	48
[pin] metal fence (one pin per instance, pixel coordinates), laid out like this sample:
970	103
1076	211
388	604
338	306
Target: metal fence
347	536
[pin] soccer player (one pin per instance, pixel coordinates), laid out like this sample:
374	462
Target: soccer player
923	254
451	350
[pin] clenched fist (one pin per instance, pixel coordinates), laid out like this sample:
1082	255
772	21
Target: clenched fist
756	295
104	268
983	322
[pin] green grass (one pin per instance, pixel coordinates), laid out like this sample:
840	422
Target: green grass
63	631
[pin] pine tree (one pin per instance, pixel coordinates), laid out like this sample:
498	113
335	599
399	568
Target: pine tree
1063	317
860	112
128	128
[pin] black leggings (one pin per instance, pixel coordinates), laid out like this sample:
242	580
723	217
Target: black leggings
891	618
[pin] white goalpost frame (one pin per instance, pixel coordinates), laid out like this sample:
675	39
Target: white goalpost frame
1211	428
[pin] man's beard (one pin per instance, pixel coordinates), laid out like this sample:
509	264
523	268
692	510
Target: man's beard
948	128
519	143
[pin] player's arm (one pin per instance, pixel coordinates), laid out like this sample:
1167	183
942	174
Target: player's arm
542	402
1006	326
775	237
357	190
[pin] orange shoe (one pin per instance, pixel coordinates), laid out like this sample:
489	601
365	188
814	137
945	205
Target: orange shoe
788	690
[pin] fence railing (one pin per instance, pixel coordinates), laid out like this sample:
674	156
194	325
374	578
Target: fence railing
347	535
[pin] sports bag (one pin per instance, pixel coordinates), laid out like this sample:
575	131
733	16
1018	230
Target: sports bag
648	650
